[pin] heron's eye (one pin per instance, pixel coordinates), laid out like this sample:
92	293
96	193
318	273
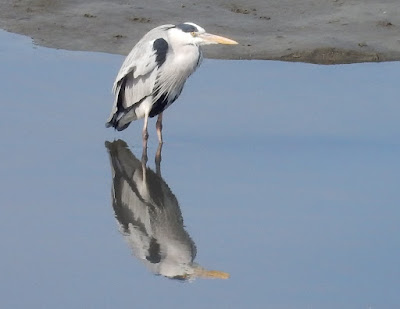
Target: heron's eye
193	34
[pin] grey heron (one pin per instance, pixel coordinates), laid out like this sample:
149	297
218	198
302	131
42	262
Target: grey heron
150	219
153	74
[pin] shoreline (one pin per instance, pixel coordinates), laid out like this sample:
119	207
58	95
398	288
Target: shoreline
309	31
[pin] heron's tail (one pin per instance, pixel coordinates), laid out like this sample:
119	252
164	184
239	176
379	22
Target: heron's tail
119	118
117	122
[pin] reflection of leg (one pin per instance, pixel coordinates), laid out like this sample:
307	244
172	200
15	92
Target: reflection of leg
145	134
144	156
159	128
144	163
158	159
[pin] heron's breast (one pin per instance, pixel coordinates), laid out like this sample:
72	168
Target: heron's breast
175	70
185	61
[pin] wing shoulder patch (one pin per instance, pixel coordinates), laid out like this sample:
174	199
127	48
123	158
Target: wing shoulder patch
161	48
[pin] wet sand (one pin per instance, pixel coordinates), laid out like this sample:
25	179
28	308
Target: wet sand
324	32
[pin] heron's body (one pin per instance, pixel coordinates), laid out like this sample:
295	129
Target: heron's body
155	71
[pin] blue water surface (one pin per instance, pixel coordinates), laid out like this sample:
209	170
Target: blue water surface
287	177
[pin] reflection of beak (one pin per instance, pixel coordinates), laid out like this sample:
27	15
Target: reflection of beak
216	39
211	274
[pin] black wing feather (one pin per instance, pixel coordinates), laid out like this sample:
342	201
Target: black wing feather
161	48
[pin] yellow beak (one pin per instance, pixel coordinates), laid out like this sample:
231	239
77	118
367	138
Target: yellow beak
216	39
211	274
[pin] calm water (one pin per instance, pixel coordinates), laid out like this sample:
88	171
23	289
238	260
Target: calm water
286	176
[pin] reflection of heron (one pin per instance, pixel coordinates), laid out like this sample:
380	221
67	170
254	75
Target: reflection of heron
155	71
150	218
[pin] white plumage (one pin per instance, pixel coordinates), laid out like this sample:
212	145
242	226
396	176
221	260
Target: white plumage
153	74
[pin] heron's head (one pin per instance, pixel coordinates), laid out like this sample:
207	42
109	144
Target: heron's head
190	33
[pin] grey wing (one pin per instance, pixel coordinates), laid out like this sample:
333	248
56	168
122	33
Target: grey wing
135	79
139	59
137	76
139	62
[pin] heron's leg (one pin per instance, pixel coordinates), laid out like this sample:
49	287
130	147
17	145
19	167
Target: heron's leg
159	128
158	159
145	134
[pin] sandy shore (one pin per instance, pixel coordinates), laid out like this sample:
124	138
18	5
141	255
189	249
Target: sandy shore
327	32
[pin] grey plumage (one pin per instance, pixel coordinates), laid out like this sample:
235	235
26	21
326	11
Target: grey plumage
142	201
153	74
150	218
